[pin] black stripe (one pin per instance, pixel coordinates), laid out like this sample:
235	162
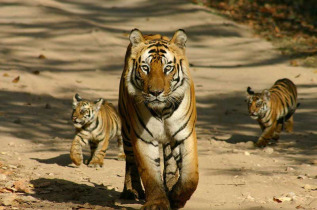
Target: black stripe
185	124
97	123
147	142
125	137
127	143
142	123
153	51
162	51
127	152
81	138
101	133
157	161
154	114
177	143
181	65
166	158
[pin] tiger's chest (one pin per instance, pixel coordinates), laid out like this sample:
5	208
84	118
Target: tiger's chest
171	129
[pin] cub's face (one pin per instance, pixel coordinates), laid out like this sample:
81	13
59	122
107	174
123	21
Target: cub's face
159	70
257	103
84	111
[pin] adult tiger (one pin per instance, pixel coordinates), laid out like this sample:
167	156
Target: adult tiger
96	123
273	109
157	106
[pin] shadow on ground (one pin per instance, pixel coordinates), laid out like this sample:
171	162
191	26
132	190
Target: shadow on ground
63	191
23	41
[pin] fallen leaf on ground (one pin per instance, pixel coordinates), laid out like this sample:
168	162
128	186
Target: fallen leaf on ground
22	186
5	75
294	63
16	80
277	200
41	56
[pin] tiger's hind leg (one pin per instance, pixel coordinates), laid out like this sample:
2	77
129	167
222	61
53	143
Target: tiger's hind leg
170	174
76	153
289	124
98	151
132	189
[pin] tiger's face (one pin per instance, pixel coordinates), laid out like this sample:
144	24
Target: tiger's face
257	103
84	111
158	73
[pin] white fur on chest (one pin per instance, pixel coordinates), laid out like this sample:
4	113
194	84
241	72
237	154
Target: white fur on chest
163	130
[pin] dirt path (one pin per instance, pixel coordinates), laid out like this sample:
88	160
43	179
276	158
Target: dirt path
82	44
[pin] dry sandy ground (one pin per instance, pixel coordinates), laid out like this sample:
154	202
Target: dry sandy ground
82	44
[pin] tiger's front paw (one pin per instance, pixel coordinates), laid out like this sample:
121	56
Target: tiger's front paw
161	204
77	159
95	164
132	195
261	143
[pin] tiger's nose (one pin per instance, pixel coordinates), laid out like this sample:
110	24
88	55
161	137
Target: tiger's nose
156	92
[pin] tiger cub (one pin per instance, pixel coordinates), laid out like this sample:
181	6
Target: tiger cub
273	109
96	123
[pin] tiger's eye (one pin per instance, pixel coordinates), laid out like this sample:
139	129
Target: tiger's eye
258	104
168	68
145	68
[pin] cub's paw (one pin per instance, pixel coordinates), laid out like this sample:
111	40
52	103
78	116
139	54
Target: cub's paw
132	195
95	164
76	159
156	205
261	143
121	156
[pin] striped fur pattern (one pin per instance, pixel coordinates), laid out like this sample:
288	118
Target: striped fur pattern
273	109
157	106
96	123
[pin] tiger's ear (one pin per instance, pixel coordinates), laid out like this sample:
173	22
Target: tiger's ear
179	38
136	37
250	91
98	104
266	95
76	99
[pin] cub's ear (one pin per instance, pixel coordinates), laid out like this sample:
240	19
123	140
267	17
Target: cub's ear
179	38
250	91
266	95
136	37
76	99
98	104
